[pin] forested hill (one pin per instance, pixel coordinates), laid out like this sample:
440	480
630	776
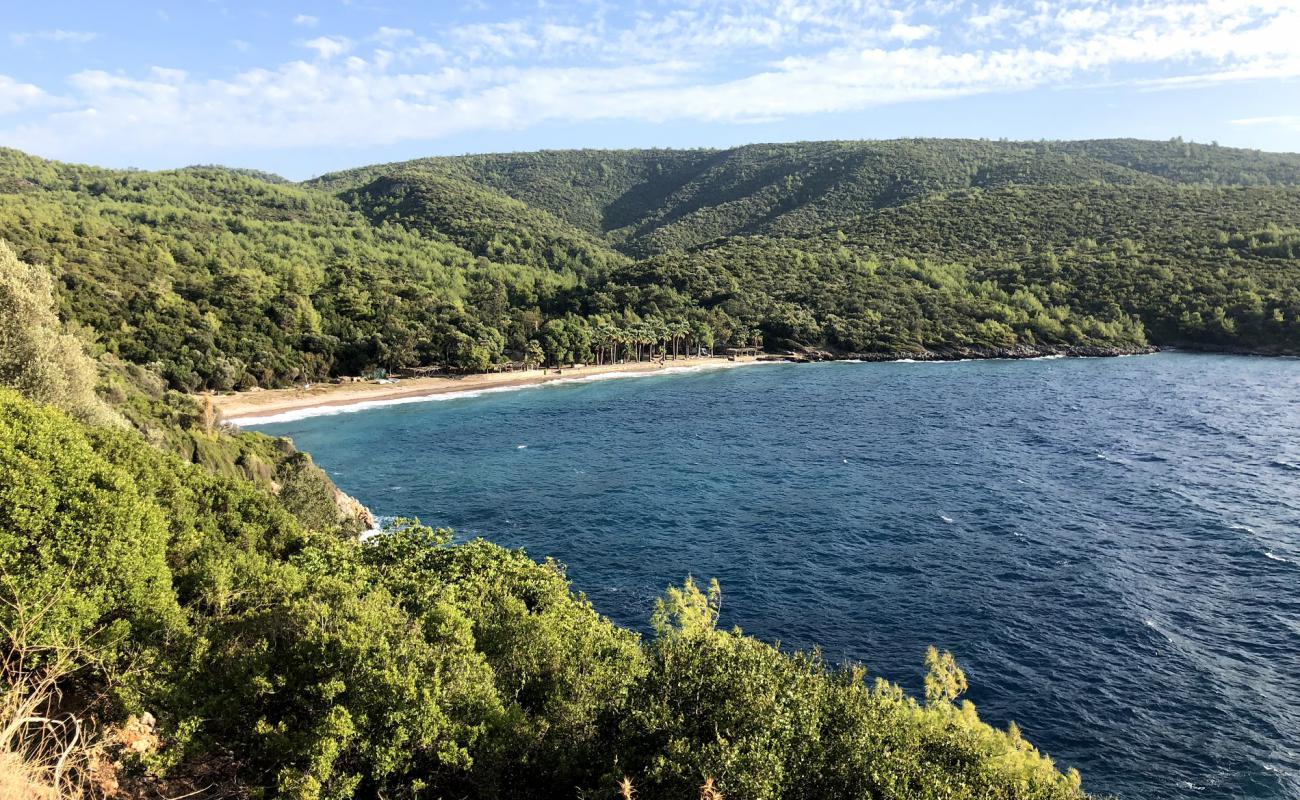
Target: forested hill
650	201
232	278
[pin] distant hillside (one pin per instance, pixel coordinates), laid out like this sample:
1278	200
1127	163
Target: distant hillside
484	222
232	278
224	280
652	201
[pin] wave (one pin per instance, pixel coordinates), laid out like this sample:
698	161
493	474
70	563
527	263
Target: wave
381	524
293	415
1049	357
1274	556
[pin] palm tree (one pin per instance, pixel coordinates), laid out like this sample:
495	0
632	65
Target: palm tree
678	330
619	340
640	336
659	334
601	334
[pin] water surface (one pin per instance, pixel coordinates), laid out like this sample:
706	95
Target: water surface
1111	547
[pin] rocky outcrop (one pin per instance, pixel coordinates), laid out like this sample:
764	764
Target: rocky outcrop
964	353
353	513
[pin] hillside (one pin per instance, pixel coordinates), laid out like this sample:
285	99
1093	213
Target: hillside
188	611
1106	241
232	279
211	581
652	201
484	222
228	281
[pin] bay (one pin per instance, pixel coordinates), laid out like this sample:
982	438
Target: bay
1110	547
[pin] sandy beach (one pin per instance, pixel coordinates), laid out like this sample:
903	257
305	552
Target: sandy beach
256	405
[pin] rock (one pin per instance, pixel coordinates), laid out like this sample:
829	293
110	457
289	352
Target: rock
351	509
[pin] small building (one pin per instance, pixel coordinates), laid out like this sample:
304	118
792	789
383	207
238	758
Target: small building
738	352
423	372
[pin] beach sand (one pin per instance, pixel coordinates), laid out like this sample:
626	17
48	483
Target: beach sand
256	405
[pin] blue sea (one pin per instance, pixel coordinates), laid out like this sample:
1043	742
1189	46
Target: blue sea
1110	547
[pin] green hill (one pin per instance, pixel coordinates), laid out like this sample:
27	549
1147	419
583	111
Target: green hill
225	280
188	610
231	278
650	201
486	223
156	562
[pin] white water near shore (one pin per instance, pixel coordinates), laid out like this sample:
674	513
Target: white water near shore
291	415
363	405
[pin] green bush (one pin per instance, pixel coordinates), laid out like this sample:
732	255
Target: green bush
36	356
82	546
310	665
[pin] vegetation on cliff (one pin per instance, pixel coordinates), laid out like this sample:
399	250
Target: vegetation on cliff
198	597
310	665
186	610
228	279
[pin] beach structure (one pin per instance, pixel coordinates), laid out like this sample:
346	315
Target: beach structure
737	352
423	372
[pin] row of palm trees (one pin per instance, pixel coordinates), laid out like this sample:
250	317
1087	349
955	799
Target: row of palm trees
654	337
605	340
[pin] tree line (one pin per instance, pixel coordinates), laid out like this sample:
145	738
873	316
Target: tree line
184	610
222	279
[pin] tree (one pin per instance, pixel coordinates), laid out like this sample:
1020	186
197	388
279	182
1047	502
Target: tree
702	335
36	357
534	356
944	680
77	532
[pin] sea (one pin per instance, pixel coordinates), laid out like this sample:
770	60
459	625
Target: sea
1109	547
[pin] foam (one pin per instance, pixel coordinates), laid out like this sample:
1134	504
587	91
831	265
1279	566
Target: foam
296	414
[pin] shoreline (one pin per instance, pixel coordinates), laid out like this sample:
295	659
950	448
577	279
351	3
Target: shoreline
268	406
977	353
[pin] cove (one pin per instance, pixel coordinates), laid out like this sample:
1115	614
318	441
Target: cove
1110	547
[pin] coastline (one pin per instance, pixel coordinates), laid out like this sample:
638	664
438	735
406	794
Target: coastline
977	353
265	406
282	405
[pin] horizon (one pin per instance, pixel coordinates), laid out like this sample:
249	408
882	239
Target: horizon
312	88
471	154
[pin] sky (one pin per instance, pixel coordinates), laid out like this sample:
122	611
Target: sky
302	88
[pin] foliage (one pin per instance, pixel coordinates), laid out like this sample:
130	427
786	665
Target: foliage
227	279
225	282
485	223
221	587
75	527
314	666
36	355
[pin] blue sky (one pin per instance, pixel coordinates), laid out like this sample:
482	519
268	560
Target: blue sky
301	88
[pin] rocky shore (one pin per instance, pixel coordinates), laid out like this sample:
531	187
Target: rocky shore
965	353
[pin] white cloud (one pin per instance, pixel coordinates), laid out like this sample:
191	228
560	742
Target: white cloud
910	33
503	40
306	21
15	96
1287	121
58	36
727	60
993	17
390	36
328	47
